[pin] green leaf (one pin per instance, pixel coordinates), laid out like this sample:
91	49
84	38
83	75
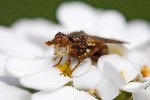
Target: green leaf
124	96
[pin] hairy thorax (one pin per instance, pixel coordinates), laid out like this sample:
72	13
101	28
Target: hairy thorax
79	45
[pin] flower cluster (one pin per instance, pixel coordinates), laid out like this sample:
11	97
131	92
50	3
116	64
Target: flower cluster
26	63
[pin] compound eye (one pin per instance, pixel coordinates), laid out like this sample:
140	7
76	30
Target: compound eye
64	40
57	40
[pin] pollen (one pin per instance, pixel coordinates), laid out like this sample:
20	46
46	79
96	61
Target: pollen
65	69
91	92
145	71
122	72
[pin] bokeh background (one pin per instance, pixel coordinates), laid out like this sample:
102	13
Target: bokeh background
12	10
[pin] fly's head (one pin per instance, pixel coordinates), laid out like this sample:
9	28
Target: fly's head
61	44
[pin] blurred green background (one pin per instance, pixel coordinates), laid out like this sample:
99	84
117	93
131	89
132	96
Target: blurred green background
11	10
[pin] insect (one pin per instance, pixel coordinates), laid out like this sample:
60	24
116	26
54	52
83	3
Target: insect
79	45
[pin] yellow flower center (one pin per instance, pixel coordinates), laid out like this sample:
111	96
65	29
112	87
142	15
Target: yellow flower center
65	68
145	71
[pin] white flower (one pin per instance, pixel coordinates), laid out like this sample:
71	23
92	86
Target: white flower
12	45
142	61
40	73
33	66
8	92
121	74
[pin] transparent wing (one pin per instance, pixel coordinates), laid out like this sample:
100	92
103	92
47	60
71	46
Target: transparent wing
107	40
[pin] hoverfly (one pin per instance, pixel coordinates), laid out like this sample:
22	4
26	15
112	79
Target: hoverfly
80	45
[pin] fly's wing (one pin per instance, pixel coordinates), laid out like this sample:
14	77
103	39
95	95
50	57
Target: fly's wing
107	40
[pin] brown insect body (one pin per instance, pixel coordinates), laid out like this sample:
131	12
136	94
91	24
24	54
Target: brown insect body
83	44
80	46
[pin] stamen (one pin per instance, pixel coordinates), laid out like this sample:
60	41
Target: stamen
65	68
93	93
145	71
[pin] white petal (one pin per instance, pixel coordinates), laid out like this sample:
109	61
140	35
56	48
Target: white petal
76	16
3	58
84	96
112	58
113	74
137	33
49	53
13	93
64	93
10	80
13	45
49	79
135	86
91	79
83	68
37	30
106	89
129	71
139	95
148	92
139	58
125	68
19	67
110	24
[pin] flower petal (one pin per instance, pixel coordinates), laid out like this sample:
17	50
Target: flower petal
19	67
83	68
113	74
49	79
3	58
125	68
76	16
112	58
10	80
137	27
135	86
128	70
148	92
33	29
139	58
13	93
84	96
139	95
110	24
106	89
67	93
91	79
13	45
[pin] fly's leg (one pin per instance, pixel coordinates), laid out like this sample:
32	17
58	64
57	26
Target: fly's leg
79	61
65	68
85	55
98	51
58	61
93	51
69	60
